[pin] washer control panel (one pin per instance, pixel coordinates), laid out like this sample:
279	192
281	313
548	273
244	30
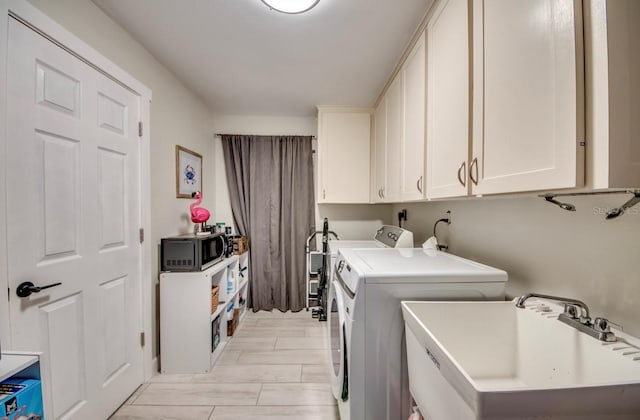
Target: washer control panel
394	237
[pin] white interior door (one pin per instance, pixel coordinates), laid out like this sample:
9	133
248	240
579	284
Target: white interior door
73	213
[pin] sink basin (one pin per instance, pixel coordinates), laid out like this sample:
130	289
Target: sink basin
491	360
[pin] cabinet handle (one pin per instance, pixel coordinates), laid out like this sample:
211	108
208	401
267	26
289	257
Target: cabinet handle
462	178
474	162
324	194
419	184
382	192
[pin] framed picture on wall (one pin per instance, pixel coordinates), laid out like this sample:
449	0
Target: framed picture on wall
188	172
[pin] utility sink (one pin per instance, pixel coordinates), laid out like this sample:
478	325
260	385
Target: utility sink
491	360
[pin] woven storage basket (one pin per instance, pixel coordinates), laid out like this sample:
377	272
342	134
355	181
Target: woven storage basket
232	324
240	245
215	298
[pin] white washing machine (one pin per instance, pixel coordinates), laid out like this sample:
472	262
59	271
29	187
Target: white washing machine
366	331
387	236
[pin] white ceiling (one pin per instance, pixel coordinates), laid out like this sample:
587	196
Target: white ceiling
244	59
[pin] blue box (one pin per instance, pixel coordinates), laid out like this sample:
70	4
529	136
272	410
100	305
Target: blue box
21	398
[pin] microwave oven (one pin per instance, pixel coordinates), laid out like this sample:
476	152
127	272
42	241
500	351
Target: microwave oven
191	252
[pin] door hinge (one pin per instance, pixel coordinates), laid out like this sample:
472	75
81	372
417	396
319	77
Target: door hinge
142	339
140	129
141	233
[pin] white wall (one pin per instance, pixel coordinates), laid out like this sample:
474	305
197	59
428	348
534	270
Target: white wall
546	249
349	221
354	221
177	117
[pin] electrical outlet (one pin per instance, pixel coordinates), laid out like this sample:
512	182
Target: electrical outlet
402	215
449	217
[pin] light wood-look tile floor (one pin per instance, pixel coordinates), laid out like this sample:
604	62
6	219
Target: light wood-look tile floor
274	367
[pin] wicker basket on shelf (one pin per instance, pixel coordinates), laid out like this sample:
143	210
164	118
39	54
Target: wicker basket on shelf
240	245
215	298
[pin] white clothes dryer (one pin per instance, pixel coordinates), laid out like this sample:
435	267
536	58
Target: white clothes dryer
367	359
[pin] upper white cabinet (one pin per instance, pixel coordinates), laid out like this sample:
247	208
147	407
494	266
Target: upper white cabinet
413	76
612	58
395	128
528	98
400	132
519	108
379	152
448	100
344	137
527	108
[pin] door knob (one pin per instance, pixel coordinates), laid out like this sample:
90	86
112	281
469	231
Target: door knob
26	288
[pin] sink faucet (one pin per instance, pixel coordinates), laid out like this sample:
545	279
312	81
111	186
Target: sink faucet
576	314
570	305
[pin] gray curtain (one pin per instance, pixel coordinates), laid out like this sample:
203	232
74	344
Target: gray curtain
270	180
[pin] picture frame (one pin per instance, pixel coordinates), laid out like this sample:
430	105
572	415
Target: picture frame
188	172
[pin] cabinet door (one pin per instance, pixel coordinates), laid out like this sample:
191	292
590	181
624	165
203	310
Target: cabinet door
527	95
448	100
413	75
379	160
185	299
613	111
395	128
344	138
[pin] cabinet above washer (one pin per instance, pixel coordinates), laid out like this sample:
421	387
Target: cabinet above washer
398	142
344	136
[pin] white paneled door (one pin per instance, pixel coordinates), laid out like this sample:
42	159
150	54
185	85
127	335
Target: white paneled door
73	217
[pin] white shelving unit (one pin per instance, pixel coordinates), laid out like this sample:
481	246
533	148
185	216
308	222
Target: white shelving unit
186	319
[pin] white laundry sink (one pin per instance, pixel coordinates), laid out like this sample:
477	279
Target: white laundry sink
491	360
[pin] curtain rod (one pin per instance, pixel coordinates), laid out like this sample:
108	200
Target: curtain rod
282	135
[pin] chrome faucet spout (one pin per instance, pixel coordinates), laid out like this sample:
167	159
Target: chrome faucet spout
585	309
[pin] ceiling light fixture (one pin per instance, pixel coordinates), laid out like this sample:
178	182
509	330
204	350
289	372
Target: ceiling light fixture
292	7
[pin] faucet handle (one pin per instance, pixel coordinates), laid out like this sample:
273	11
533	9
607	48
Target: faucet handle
603	325
576	312
573	311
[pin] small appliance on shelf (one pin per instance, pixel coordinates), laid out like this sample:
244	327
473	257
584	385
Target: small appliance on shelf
191	252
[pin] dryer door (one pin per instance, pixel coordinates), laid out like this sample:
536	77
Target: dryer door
337	343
